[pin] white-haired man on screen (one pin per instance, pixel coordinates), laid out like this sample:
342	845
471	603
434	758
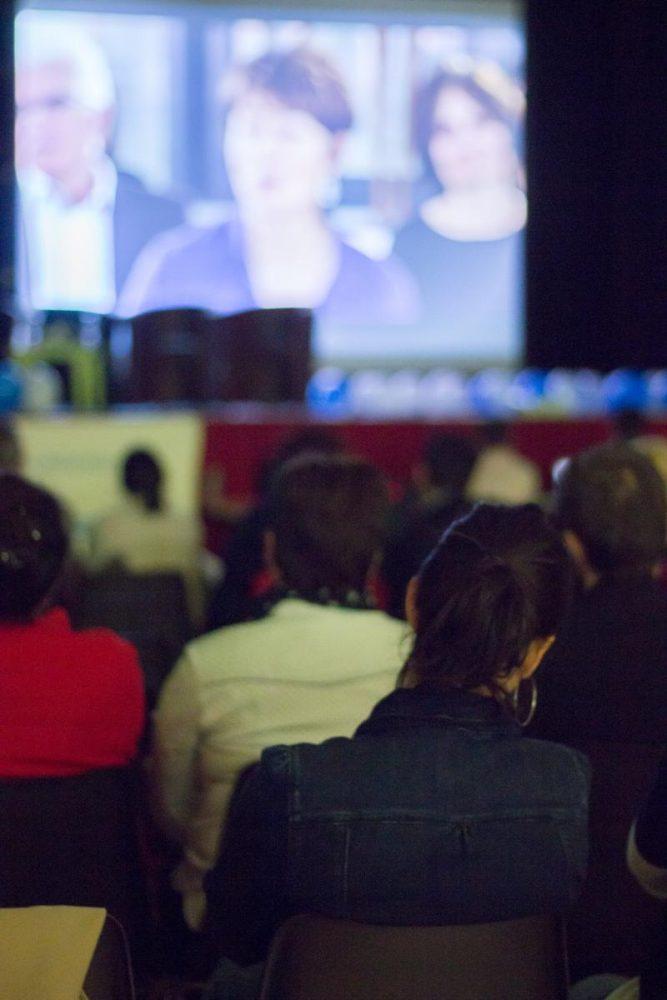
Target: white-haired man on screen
83	221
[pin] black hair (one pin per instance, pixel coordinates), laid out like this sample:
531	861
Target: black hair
142	476
329	516
499	578
613	499
33	547
492	432
629	423
493	89
306	441
449	459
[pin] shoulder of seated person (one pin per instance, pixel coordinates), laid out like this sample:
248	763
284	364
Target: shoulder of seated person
279	760
558	756
108	646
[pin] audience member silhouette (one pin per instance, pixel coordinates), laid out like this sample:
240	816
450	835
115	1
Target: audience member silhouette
318	658
603	687
610	504
501	474
631	426
435	498
437	811
69	701
240	594
145	536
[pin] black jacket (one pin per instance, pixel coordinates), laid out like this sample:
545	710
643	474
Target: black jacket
603	690
605	677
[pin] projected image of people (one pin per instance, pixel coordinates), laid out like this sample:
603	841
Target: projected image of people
83	220
286	118
364	166
465	242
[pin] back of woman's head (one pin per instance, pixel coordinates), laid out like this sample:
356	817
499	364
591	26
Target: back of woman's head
498	579
33	546
142	476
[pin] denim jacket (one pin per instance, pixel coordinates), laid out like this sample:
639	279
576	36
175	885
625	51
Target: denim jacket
436	812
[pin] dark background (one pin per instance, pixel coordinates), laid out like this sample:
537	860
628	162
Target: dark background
597	170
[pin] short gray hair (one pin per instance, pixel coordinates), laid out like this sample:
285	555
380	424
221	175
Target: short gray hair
48	37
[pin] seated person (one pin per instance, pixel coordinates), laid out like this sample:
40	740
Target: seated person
437	811
146	537
434	499
603	687
632	427
647	860
501	473
245	581
70	701
318	658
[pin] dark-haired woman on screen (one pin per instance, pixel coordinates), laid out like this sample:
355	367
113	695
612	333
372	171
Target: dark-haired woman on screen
465	243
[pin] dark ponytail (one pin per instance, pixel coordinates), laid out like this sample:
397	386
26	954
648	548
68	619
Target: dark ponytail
499	578
142	477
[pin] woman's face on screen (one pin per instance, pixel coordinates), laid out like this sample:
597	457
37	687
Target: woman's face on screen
468	147
278	158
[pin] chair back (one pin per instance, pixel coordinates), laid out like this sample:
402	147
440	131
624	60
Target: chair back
318	958
72	841
148	609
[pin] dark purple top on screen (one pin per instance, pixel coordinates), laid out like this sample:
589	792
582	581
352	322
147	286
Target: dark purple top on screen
205	268
470	289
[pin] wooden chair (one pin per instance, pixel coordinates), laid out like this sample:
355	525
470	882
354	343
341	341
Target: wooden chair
317	958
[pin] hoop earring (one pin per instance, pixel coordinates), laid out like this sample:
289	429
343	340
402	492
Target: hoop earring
532	706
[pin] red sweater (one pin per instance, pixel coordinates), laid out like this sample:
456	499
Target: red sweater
69	701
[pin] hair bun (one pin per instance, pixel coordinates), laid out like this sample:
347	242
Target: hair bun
33	546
